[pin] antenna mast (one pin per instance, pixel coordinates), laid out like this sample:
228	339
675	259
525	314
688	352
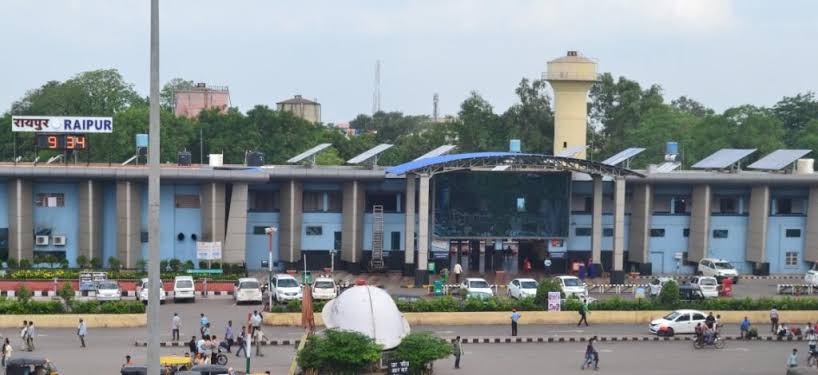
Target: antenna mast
376	95
435	100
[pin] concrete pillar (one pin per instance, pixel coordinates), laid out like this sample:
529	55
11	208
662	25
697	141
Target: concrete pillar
291	217
212	210
234	249
21	219
353	225
617	271
129	220
596	226
638	245
409	227
482	249
699	224
811	242
422	275
90	219
757	228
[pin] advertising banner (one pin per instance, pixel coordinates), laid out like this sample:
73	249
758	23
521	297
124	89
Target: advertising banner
209	250
62	124
554	303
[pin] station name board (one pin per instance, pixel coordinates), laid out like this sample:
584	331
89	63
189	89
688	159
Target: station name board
62	124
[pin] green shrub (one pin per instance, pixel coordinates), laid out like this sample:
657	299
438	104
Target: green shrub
114	263
66	292
25	264
22	293
545	286
12	263
164	265
64	264
142	265
343	352
188	265
421	349
82	261
175	265
96	263
113	307
669	296
17	307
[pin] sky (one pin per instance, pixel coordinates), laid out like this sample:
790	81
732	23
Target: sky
720	52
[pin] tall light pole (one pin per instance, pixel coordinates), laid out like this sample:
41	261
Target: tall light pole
153	198
270	232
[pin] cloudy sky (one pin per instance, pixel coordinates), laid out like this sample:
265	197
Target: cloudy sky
722	53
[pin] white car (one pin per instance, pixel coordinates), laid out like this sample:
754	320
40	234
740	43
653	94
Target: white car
657	283
522	288
708	285
108	290
184	288
572	286
679	321
285	288
476	287
811	278
247	290
142	291
324	288
718	268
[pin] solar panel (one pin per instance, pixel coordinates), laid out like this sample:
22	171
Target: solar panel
308	153
778	159
500	168
571	151
442	150
623	155
668	167
723	158
369	154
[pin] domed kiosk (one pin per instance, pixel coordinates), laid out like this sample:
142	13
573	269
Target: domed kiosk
370	311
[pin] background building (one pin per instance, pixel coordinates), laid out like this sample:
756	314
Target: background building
189	102
304	108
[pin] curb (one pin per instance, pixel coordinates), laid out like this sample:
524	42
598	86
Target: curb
182	344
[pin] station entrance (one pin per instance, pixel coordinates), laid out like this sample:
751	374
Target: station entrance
515	256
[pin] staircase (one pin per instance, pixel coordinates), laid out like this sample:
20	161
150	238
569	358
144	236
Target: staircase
376	263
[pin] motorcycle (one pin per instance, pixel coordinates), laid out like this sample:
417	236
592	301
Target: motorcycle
716	341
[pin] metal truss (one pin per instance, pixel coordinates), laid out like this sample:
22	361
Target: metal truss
526	163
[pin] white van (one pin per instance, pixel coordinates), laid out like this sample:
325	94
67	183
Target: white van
247	290
184	288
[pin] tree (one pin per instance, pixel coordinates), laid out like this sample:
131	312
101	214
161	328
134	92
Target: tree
660	125
167	97
756	128
545	286
82	261
339	352
691	106
807	138
669	296
796	112
531	120
478	127
421	349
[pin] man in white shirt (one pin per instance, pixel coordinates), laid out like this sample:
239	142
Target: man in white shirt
458	269
176	325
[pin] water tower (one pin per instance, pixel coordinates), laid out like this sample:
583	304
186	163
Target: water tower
571	77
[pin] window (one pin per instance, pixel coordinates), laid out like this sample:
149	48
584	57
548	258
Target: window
338	243
657	232
263	201
520	204
187	201
582	232
793	233
791	259
727	205
50	200
395	240
315	230
334	203
260	230
720	233
389	201
683	318
589	204
680	205
697	316
686	232
607	232
783	206
312	201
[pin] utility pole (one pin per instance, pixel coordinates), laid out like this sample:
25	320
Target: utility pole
435	100
153	198
376	95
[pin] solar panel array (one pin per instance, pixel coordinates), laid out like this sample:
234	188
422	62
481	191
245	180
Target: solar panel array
668	167
778	159
723	158
369	154
308	153
623	155
569	152
442	150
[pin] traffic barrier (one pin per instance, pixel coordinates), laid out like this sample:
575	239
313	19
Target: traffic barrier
795	289
615	288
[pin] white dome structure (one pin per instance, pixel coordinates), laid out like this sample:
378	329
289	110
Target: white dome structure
370	311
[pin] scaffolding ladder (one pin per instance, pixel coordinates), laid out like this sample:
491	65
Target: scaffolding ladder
377	263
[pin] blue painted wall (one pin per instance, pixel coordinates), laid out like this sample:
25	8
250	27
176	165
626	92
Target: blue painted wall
61	220
257	244
330	223
778	244
583	243
4	205
733	247
391	223
172	221
109	219
662	249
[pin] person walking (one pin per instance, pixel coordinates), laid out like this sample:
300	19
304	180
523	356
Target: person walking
457	351
7	349
191	345
774	320
203	322
175	326
128	361
82	329
242	342
792	360
812	339
583	313
591	355
515	317
745	328
258	336
30	332
206	331
24	335
458	269
228	335
255	320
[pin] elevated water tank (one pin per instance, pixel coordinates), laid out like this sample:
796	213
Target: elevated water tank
368	310
805	166
216	160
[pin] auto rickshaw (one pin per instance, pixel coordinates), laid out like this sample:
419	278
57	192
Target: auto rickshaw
134	370
212	370
176	363
30	366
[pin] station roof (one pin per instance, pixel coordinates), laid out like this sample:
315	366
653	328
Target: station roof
515	160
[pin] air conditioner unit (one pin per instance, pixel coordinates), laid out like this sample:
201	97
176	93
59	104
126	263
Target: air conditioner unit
59	240
41	240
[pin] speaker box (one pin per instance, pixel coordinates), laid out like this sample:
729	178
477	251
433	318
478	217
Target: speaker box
184	158
254	159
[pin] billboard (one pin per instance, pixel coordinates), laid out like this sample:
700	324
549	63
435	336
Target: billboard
62	124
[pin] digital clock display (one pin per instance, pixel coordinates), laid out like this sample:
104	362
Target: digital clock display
62	141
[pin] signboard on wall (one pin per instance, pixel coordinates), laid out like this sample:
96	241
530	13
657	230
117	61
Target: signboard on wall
62	124
209	250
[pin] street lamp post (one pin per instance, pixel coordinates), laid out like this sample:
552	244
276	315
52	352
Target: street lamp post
153	197
270	232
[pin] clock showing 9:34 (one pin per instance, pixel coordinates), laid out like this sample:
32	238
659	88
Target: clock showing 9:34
62	141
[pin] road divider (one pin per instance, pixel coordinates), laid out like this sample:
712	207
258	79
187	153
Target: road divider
70	320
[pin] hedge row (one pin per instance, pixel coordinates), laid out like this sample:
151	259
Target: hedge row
16	307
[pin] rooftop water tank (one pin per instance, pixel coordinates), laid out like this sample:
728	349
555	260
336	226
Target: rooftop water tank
805	166
514	145
216	160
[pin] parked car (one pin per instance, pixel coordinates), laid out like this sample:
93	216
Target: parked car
285	288
690	293
184	289
679	321
476	287
247	289
522	288
108	290
324	288
718	268
142	291
811	277
572	286
708	285
657	283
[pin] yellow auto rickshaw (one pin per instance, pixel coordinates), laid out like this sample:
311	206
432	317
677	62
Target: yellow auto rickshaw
30	366
176	362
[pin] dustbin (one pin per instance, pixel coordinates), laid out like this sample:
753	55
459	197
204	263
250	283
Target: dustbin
438	288
306	278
